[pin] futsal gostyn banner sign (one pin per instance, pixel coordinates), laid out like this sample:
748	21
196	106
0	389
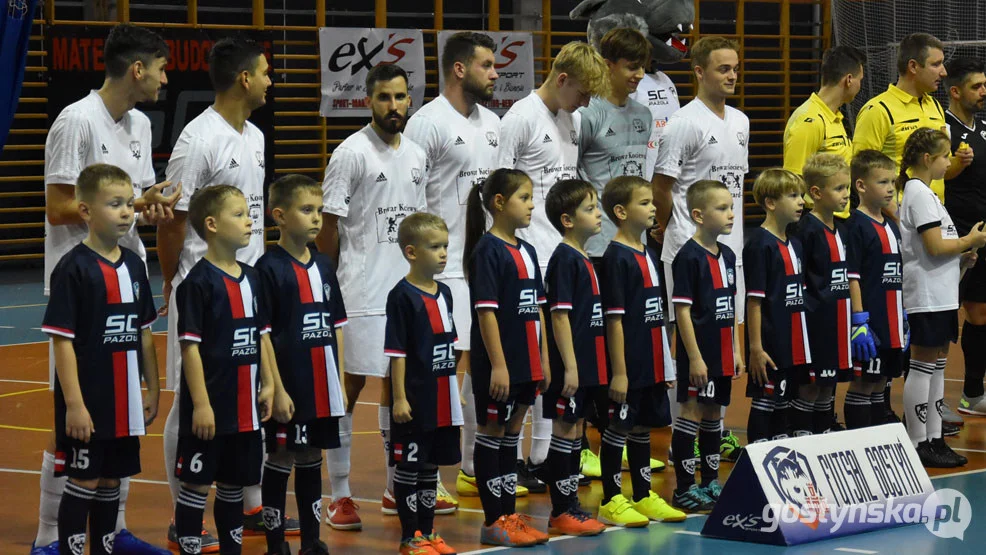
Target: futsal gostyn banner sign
806	489
346	54
514	63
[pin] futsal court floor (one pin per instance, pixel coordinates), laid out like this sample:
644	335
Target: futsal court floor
26	418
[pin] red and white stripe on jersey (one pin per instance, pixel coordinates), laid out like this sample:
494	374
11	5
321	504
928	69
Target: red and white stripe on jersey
601	372
241	305
661	352
800	351
325	373
895	299
526	270
448	410
717	268
837	253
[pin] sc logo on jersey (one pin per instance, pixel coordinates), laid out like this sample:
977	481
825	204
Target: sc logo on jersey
653	310
725	309
891	273
840	279
120	328
442	358
597	316
244	342
316	325
528	302
794	294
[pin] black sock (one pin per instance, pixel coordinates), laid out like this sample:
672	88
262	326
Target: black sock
103	511
73	512
683	446
273	492
611	462
406	495
227	509
508	473
878	408
558	473
709	438
308	494
427	492
585	437
758	424
574	463
974	351
486	463
638	459
801	414
822	416
189	510
857	410
780	422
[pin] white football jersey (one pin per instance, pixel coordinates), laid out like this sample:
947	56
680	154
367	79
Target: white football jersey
658	93
372	187
461	153
545	146
210	152
83	134
697	144
931	283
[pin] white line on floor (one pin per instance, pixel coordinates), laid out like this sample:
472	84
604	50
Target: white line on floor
688	532
851	550
24	381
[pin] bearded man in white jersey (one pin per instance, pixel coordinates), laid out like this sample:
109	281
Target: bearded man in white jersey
705	139
218	147
461	139
104	128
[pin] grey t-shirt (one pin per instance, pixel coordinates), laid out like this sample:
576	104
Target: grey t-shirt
613	143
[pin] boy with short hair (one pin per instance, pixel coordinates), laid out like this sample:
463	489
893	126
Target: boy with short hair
426	413
776	329
578	347
219	322
640	360
708	347
301	294
99	319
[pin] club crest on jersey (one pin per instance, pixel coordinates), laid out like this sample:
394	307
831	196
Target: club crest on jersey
632	167
136	291
573	136
191	544
416	176
730	276
135	149
741	138
638	125
327	290
260	158
77	544
492	139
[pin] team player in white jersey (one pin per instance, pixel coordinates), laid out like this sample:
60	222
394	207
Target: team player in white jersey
374	179
102	128
539	136
658	93
217	147
461	139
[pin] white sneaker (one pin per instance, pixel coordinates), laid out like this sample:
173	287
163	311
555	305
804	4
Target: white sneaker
975	406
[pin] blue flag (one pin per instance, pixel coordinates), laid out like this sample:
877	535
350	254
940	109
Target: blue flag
16	19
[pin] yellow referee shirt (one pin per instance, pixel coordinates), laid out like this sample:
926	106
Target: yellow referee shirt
811	129
888	119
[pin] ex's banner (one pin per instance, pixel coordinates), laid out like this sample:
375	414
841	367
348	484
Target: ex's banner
514	63
76	65
346	54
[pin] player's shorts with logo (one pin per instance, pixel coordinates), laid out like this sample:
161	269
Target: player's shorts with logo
100	458
717	391
233	459
321	433
490	410
439	447
570	409
778	386
889	363
647	406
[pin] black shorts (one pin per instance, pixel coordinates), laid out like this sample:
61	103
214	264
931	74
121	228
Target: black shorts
648	406
321	433
972	288
812	374
233	459
489	410
934	329
439	447
554	406
100	458
716	392
778	386
889	363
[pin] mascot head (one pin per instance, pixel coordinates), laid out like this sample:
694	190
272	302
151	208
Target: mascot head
661	21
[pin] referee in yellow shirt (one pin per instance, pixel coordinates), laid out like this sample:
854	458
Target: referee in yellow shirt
816	126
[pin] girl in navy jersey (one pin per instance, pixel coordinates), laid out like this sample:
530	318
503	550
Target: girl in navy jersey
933	257
506	294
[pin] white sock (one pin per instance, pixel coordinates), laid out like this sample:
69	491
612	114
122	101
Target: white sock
468	425
917	391
520	437
252	499
722	415
121	513
936	395
51	498
171	449
337	460
540	433
383	420
673	398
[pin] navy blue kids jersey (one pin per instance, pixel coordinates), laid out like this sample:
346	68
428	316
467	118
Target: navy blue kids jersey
572	285
305	308
875	249
773	273
420	330
102	307
631	288
707	282
221	313
827	274
507	278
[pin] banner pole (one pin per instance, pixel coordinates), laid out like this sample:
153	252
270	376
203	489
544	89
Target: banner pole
258	13
380	12
193	12
323	149
439	14
494	19
123	11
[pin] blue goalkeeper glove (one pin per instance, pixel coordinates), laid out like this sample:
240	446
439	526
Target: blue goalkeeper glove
907	332
863	341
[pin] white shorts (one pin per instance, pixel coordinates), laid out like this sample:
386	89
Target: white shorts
172	365
363	346
461	311
740	303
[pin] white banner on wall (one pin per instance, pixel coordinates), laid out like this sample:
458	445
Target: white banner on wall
514	63
346	54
